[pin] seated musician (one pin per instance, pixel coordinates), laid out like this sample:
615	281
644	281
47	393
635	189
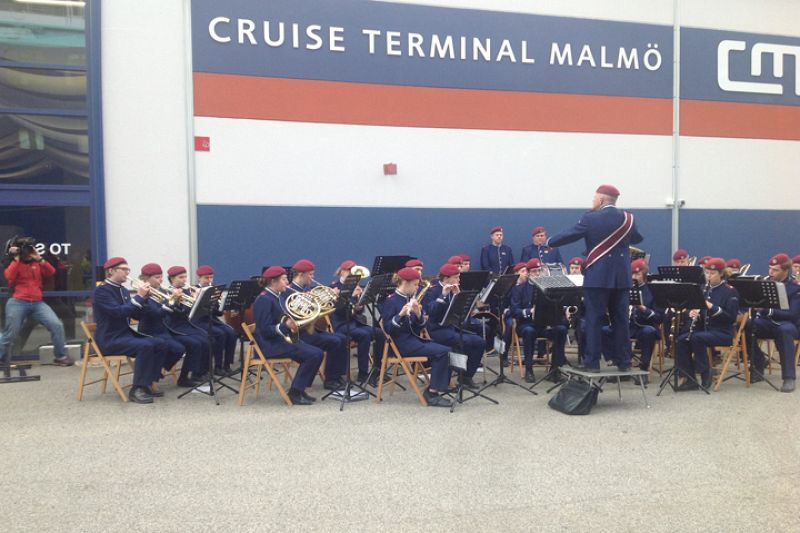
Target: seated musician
403	319
225	337
796	267
680	257
733	265
152	322
332	343
709	327
455	260
539	250
416	264
555	332
435	303
703	260
496	257
644	320
272	334
113	308
178	320
576	266
777	324
465	263
356	326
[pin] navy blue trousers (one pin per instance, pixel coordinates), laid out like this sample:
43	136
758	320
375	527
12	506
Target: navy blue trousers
596	303
334	344
473	345
362	335
698	346
438	357
783	333
309	357
148	352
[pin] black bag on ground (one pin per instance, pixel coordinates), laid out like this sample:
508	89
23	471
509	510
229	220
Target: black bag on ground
574	398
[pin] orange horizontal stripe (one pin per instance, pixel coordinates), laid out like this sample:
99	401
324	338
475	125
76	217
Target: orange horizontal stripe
232	96
701	118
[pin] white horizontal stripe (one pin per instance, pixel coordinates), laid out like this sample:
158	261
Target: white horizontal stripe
255	162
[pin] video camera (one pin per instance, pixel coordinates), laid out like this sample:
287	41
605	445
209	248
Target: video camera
20	246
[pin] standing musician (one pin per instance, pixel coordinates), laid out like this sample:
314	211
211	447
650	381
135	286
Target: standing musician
680	257
608	233
178	320
796	267
332	343
113	308
225	337
709	327
539	250
644	319
357	326
435	303
576	266
151	322
403	319
496	257
272	334
777	324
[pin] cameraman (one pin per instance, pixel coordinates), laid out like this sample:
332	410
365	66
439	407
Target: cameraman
26	273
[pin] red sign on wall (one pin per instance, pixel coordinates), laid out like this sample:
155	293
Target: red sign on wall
202	144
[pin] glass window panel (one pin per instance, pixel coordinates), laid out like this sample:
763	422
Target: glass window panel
71	310
64	237
44	150
36	88
35	33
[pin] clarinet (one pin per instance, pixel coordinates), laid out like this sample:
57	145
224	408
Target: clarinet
706	291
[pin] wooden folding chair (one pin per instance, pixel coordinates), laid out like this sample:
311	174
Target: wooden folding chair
737	348
412	365
93	354
516	345
260	362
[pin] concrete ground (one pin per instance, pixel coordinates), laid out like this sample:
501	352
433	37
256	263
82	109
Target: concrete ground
725	462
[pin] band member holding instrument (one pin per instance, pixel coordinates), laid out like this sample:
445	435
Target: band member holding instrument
272	331
357	326
608	233
496	257
151	322
680	257
777	324
403	319
796	267
557	333
733	265
416	264
113	308
178	320
332	343
465	263
538	250
576	266
225	337
709	327
456	261
436	302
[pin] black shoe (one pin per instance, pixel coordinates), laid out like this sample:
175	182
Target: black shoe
362	377
756	375
589	369
200	378
529	377
219	371
308	397
788	385
189	382
638	380
687	386
332	384
298	398
140	395
470	384
155	393
435	400
555	376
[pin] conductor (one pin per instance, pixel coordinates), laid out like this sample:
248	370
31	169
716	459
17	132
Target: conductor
608	232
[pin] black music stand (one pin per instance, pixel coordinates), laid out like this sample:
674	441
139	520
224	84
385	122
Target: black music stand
679	296
473	281
456	315
343	302
389	264
240	296
759	294
497	290
370	298
206	302
682	274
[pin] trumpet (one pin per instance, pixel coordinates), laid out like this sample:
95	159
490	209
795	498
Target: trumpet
154	294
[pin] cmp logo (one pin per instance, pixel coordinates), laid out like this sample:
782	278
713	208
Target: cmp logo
778	52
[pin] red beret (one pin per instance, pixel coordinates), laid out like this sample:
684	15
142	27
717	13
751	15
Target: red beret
273	272
609	190
455	260
347	265
151	269
176	271
680	253
715	263
519	266
780	259
533	263
414	263
576	261
496	229
638	265
703	260
114	261
204	270
448	270
796	259
409	274
304	265
734	263
465	258
537	230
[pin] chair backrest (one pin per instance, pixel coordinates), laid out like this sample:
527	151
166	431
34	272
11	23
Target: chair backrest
91	345
248	330
738	336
